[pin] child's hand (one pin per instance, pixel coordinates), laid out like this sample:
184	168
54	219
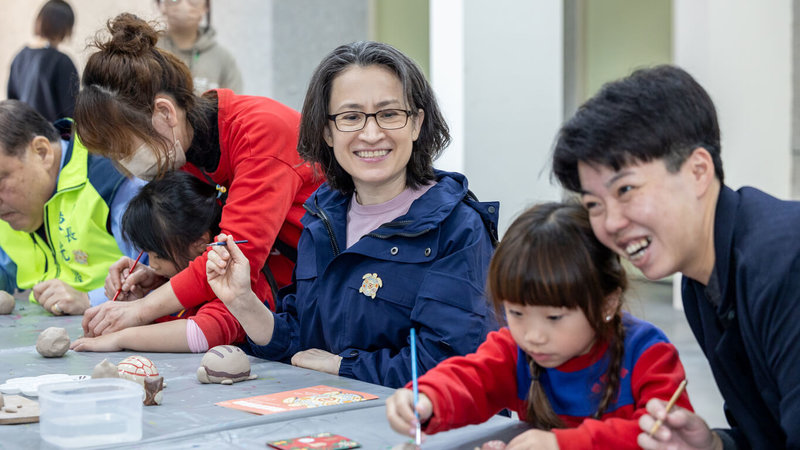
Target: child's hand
228	271
400	411
134	285
105	343
534	440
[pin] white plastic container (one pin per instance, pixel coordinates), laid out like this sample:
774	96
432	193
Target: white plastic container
92	412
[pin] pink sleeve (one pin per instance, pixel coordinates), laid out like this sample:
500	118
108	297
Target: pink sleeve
195	337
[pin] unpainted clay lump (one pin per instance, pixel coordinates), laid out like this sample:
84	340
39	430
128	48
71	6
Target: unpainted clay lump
6	302
53	342
105	369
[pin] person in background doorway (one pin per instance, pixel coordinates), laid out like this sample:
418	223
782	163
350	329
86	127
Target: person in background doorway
211	65
42	76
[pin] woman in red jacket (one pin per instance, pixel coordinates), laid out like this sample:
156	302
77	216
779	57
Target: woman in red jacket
137	108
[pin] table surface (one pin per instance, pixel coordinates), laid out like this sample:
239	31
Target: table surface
188	416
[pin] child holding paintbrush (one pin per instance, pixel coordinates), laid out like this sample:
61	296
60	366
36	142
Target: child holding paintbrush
570	363
173	219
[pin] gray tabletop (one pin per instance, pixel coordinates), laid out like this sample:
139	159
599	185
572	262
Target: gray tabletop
188	416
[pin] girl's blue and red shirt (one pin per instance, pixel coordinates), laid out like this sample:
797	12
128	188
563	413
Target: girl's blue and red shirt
470	389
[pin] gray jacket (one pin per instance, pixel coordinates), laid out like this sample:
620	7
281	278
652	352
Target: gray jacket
212	66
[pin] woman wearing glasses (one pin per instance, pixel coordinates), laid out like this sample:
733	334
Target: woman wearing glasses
211	65
389	243
137	108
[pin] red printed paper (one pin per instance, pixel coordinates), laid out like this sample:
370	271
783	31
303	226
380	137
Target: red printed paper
311	397
321	441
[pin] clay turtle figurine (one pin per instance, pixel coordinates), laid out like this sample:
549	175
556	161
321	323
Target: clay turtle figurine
224	364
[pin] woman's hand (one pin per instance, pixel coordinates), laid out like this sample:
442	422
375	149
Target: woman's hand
400	411
680	429
112	316
228	272
318	360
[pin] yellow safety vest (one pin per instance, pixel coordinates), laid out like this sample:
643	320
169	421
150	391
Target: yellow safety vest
79	249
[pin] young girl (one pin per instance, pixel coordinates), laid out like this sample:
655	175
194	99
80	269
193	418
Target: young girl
172	219
570	362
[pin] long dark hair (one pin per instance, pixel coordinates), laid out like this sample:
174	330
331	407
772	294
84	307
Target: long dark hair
550	257
170	214
434	134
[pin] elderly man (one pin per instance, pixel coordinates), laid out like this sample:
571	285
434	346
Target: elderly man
60	210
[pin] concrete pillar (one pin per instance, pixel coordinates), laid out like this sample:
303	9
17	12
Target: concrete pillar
512	95
741	52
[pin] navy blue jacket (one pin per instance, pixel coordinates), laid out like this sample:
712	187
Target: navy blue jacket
432	264
752	340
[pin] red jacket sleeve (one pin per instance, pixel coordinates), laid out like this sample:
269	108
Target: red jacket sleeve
218	325
471	389
267	184
657	374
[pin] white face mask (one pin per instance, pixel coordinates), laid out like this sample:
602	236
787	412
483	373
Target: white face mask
144	164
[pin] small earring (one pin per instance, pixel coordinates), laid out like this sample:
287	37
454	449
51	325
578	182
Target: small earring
608	318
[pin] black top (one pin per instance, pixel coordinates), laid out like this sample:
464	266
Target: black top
746	319
46	79
204	151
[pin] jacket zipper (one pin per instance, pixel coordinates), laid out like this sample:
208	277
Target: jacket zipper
410	235
325	221
50	242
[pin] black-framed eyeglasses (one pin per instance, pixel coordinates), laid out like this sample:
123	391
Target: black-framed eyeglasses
388	119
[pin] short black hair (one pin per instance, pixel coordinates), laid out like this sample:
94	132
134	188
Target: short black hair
171	213
19	124
55	20
434	134
655	113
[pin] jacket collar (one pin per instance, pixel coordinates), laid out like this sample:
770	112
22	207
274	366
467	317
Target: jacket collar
71	174
724	224
425	213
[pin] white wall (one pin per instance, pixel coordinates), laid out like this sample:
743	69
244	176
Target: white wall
17	20
740	51
447	75
512	74
243	26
